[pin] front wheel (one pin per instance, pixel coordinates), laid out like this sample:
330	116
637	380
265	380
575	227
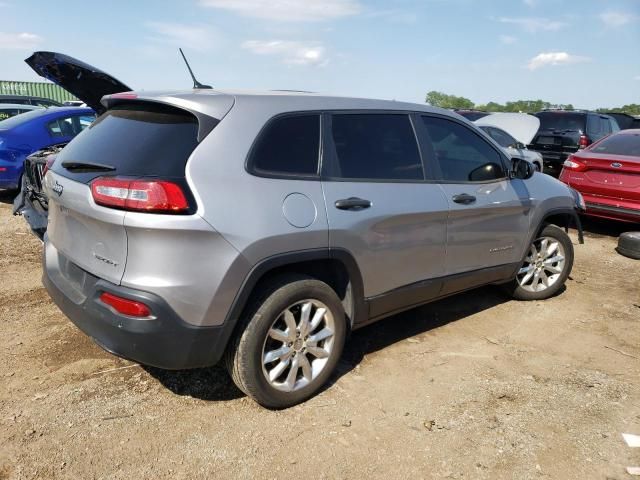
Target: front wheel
546	267
291	343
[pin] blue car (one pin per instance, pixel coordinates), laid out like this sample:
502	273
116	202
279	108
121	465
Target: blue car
25	133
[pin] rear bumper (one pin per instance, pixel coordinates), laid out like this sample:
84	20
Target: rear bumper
607	208
163	341
9	177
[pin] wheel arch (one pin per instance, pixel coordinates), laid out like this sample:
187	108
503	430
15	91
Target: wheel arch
561	217
336	267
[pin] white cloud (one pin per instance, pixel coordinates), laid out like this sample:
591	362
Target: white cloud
288	10
616	19
395	16
19	41
637	77
193	37
534	24
508	39
292	53
554	58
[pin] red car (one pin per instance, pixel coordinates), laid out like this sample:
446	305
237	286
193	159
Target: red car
607	174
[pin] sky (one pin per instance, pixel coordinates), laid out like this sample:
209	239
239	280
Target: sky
583	52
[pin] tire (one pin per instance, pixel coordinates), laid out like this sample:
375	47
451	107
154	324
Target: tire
267	332
629	245
537	278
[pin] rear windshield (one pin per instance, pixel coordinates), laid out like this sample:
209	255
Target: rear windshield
622	144
20	119
134	139
563	121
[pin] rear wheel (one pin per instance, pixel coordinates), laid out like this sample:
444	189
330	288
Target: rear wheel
292	341
546	266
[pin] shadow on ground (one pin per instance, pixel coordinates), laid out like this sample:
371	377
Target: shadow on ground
7	196
397	328
597	227
214	384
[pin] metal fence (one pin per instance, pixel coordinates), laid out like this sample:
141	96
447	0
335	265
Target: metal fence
35	89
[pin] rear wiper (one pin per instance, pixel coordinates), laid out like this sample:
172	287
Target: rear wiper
87	167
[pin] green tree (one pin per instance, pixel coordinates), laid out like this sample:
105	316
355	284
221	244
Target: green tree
631	109
439	99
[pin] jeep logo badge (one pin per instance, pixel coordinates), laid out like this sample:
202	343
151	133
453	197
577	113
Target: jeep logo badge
57	188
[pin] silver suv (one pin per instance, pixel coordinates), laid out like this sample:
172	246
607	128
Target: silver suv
188	227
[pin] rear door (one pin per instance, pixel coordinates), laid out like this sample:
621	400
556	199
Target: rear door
130	140
488	213
378	204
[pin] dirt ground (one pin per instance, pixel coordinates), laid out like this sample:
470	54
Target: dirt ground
475	387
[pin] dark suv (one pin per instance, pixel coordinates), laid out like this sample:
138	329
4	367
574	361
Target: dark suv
564	132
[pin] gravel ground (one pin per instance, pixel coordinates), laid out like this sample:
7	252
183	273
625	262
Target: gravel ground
475	386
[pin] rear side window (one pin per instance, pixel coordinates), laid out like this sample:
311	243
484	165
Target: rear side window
503	138
375	146
69	126
461	155
288	146
136	139
622	144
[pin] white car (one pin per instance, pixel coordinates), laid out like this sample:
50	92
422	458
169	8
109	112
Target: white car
513	132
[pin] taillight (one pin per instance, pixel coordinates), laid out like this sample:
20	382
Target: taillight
49	163
573	163
154	196
584	141
125	306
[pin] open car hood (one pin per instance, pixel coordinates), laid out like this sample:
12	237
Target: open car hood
84	81
521	126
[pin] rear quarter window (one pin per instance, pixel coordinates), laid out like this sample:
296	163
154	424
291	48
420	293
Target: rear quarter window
288	145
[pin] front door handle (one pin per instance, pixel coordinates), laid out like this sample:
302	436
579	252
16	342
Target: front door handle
352	203
464	198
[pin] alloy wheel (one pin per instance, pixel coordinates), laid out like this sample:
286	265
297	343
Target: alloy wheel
543	265
298	345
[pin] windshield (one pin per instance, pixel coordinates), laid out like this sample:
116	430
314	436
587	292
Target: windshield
622	144
563	121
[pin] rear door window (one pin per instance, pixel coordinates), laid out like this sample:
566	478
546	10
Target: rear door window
288	146
503	138
69	126
375	146
461	155
136	139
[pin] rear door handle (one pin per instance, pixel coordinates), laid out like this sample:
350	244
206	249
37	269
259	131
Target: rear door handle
464	198
352	203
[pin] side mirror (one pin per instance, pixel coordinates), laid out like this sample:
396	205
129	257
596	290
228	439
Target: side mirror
518	146
522	169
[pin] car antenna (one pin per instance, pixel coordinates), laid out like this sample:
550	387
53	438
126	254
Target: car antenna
196	83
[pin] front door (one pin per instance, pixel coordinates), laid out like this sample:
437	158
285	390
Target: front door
488	213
